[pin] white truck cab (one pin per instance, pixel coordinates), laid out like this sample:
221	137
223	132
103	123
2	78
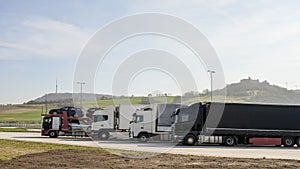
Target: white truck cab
111	121
154	121
103	122
142	124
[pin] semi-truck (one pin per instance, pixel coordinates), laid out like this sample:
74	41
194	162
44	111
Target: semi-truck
153	121
111	121
239	124
54	125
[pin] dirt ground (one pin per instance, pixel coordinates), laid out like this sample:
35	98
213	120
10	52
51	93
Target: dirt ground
100	159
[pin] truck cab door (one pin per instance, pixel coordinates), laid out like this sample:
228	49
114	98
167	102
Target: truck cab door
148	123
55	123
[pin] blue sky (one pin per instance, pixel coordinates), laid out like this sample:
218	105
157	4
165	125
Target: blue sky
40	41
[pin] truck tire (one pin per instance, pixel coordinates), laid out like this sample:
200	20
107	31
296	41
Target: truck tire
103	135
189	140
143	137
52	134
298	141
288	141
229	141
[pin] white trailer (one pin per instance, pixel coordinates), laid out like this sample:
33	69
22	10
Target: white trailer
111	121
153	122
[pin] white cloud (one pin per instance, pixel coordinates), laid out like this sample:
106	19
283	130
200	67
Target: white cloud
42	37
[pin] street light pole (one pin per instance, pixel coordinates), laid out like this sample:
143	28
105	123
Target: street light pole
211	83
81	83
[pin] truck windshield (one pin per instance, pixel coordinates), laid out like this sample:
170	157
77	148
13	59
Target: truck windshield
183	118
100	118
47	122
137	118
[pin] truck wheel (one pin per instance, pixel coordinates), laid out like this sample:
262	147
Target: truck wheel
288	141
52	134
298	142
229	141
103	135
143	137
189	140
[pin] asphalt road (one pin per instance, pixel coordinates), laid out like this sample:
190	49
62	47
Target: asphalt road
208	150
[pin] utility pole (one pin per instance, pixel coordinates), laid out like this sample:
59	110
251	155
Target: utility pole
56	87
286	85
211	83
81	84
46	100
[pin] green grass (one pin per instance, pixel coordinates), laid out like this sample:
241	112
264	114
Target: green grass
31	116
134	100
215	98
10	148
32	113
13	130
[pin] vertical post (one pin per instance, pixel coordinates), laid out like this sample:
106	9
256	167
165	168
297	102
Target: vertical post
81	83
56	87
80	95
211	83
46	100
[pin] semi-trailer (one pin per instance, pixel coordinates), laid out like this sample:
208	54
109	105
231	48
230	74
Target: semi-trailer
153	121
112	120
238	124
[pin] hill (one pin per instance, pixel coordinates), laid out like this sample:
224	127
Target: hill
68	97
249	90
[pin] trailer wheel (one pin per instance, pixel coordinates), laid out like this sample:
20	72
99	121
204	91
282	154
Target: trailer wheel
52	134
103	135
229	141
298	142
288	141
189	140
143	137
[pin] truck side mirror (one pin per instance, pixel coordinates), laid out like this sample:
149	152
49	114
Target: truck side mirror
177	111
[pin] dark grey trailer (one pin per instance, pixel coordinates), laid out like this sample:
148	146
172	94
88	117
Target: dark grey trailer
164	116
238	123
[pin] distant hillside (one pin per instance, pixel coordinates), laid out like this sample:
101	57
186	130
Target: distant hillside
249	90
68	97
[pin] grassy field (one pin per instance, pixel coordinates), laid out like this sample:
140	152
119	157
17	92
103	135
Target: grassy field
31	116
13	130
10	149
32	113
28	129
